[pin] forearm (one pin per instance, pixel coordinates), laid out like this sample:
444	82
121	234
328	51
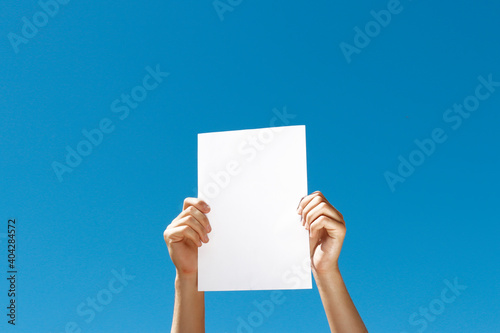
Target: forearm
189	306
339	307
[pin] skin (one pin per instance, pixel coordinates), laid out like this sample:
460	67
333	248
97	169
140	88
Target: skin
326	226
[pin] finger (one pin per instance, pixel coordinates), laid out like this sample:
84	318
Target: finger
310	214
188	233
180	233
305	200
322	208
192	222
198	203
316	200
198	215
334	228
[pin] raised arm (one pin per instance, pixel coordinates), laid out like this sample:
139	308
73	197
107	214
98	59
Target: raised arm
326	234
183	236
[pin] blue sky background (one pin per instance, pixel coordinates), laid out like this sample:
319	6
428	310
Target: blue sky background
110	212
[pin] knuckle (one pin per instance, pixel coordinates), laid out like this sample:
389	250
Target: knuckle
190	219
183	221
342	229
322	219
167	235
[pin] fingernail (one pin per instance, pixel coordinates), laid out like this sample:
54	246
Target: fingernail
206	239
209	228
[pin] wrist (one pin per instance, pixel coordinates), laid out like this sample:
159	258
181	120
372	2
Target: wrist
183	279
326	275
322	269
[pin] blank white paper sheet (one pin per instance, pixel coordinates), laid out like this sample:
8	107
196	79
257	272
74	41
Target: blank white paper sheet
253	180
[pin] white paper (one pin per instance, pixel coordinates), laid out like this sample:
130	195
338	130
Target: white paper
253	180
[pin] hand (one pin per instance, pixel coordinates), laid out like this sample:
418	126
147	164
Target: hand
186	233
326	231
